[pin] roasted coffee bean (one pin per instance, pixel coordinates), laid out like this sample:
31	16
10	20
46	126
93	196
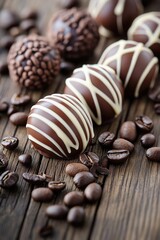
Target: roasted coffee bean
69	3
8	19
42	194
8	179
3	161
56	185
154	94
88	158
3	66
66	67
3	106
144	123
148	140
104	162
20	100
12	109
36	178
106	139
25	159
6	42
73	168
157	108
93	192
19	118
153	154
46	231
76	216
29	14
27	25
93	170
97	169
82	179
74	198
121	143
117	156
57	211
128	131
10	143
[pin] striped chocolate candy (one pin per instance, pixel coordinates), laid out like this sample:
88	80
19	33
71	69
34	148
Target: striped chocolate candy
59	126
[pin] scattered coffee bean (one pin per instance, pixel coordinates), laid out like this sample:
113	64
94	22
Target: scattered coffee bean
148	140
56	185
42	194
29	14
57	211
154	94
36	178
8	19
25	159
82	179
104	162
20	100
12	109
3	161
144	123
8	179
117	156
93	192
157	108
66	67
19	118
97	169
128	131
46	231
10	143
106	139
88	158
121	144
153	154
3	106
76	216
70	3
73	168
27	25
74	198
6	42
3	66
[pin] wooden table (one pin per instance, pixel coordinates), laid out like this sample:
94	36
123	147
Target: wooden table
129	208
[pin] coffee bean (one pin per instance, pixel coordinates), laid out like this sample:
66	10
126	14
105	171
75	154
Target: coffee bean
74	198
117	156
153	154
148	140
104	162
121	144
29	14
106	139
27	24
12	109
19	118
6	42
3	66
42	194
3	161
3	106
144	123
93	192
56	185
157	108
10	143
57	211
69	3
66	67
20	100
8	19
82	179
25	159
73	168
46	231
36	178
154	94
102	170
88	158
76	216
128	131
8	179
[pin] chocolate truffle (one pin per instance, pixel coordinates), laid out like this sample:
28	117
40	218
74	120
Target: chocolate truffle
75	33
33	63
146	29
99	89
114	16
59	126
134	64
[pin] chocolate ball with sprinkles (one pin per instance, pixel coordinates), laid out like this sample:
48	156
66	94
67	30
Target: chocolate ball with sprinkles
146	29
114	16
59	126
33	62
74	32
99	89
134	64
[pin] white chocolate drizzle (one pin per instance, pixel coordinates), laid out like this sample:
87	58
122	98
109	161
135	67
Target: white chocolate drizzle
104	75
136	49
70	107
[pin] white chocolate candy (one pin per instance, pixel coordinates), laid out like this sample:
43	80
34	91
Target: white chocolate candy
134	64
99	89
59	126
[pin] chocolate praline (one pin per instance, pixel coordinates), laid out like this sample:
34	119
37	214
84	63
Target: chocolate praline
99	89
146	29
59	126
134	64
114	16
74	32
33	62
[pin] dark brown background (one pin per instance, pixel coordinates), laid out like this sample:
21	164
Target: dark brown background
130	204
